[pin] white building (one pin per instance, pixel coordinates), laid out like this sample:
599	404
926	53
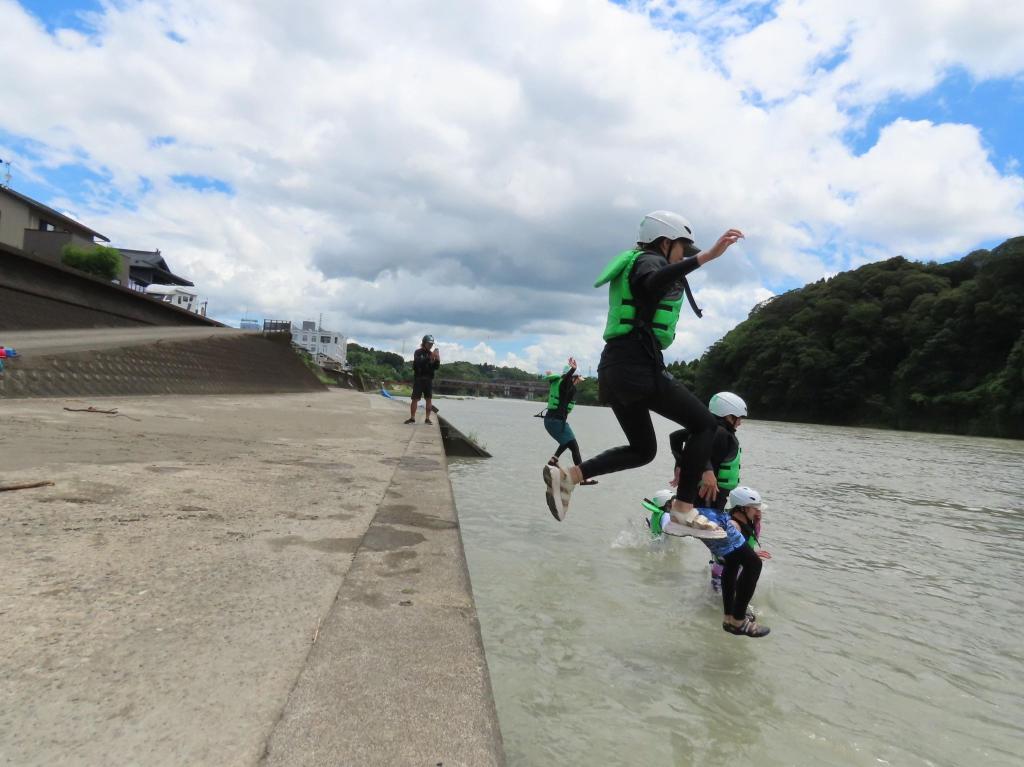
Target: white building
325	345
178	295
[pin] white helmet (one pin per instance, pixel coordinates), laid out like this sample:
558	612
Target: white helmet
744	496
662	497
664	223
726	403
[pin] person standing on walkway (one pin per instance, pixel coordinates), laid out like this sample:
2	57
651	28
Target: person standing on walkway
425	360
561	401
647	286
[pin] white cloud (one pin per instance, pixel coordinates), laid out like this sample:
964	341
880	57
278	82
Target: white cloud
468	168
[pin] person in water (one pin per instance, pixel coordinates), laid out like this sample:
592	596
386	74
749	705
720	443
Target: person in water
741	567
425	361
722	472
647	286
561	401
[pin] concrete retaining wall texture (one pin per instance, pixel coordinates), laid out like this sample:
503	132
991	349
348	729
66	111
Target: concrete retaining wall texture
35	295
247	364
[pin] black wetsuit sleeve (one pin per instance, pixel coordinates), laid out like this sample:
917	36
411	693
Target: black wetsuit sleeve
677	441
653	277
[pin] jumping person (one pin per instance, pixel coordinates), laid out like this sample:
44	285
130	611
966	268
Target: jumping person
741	566
647	286
424	362
561	401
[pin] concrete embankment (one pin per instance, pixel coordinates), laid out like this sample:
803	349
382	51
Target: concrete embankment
235	580
151	360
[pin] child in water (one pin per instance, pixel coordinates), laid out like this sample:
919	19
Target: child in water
741	564
749	522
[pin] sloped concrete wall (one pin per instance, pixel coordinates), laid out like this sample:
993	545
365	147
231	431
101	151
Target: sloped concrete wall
247	364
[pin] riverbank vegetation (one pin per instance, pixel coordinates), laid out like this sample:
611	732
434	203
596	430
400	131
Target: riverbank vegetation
895	344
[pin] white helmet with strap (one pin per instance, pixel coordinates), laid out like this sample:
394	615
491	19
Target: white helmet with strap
726	403
744	496
665	223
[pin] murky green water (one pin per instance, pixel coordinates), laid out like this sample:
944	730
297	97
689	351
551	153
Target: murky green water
895	600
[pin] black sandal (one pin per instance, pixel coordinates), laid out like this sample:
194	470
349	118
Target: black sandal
747	628
589	482
553	460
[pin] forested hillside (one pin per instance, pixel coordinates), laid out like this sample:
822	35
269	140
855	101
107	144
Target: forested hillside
901	344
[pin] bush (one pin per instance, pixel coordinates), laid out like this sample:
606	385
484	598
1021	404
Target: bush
100	261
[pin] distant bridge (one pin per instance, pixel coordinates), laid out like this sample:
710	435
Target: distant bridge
519	389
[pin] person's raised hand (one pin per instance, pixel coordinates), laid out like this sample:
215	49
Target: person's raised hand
731	237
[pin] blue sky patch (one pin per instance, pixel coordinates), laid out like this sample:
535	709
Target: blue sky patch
64	14
203	183
995	106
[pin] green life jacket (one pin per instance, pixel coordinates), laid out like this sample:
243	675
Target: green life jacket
729	472
622	314
555	382
657	516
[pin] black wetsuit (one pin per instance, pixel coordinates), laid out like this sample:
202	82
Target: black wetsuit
739	579
423	367
632	379
724	446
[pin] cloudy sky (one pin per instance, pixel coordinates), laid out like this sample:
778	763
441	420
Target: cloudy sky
467	167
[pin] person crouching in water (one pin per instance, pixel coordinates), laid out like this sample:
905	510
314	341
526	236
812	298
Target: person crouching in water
749	520
741	564
722	472
561	401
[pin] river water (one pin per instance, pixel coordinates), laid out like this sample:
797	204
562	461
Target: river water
894	596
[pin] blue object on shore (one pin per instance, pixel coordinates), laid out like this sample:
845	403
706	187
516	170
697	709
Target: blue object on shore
385	393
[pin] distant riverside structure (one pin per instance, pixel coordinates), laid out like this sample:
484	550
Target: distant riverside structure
325	345
148	267
40	231
178	295
245	324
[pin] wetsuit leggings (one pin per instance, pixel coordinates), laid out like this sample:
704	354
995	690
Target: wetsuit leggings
634	393
574	448
739	579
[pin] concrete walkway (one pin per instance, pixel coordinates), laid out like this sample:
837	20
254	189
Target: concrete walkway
235	581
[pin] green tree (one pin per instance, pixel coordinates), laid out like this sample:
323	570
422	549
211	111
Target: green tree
98	260
897	343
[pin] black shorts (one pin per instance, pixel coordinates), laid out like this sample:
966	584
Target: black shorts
422	386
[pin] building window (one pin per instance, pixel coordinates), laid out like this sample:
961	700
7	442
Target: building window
325	339
305	337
